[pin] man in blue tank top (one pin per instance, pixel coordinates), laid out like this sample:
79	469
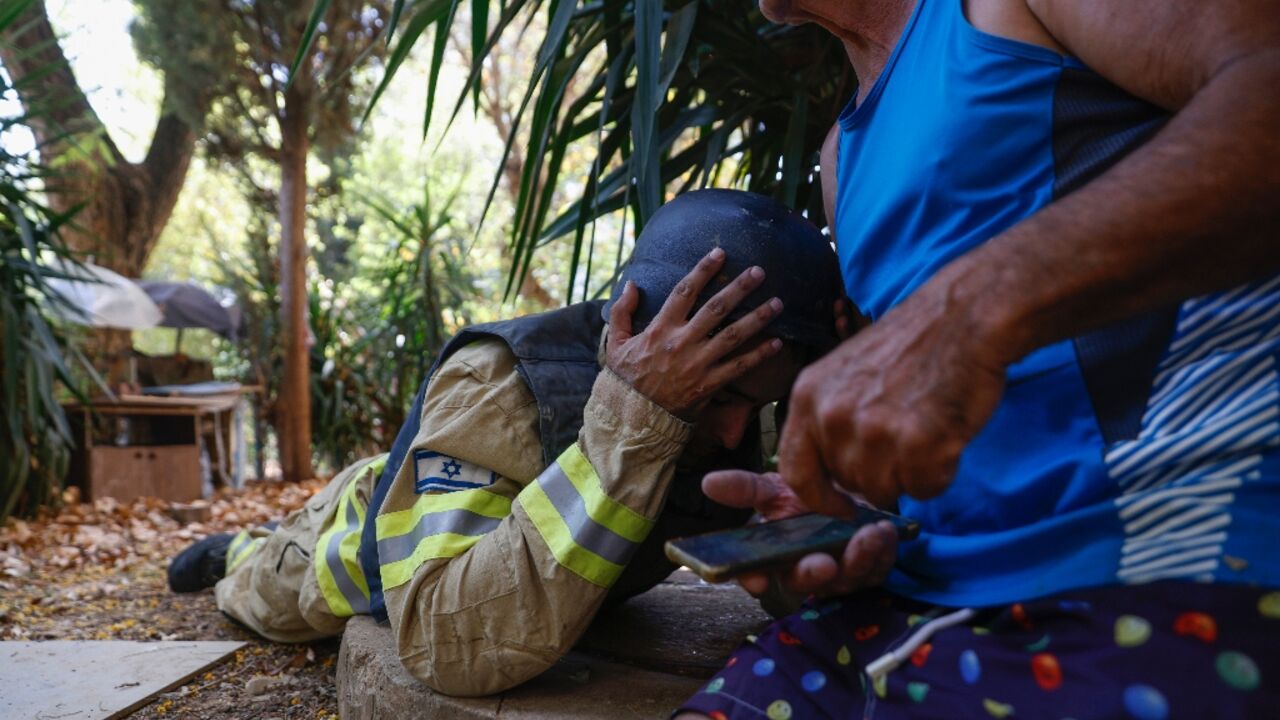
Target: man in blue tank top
1060	217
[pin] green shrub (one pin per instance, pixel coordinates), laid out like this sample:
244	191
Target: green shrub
35	439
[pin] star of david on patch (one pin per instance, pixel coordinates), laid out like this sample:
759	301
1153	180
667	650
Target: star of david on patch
437	472
452	468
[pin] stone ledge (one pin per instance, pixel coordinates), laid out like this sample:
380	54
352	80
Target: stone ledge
639	660
683	626
373	684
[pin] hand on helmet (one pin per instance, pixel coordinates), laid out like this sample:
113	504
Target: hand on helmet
677	361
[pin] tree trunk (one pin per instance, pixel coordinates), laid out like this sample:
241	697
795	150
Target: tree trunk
295	388
124	205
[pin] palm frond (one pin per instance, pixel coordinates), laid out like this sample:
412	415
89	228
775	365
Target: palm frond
672	97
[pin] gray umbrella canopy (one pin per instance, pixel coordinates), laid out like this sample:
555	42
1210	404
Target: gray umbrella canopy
95	296
190	306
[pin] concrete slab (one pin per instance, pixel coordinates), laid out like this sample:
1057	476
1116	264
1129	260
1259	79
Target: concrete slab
639	660
683	626
596	689
96	680
373	684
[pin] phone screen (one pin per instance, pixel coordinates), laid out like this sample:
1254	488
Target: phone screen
720	555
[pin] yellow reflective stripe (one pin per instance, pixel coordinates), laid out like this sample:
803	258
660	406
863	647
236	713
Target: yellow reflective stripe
559	538
242	546
338	605
587	531
257	543
477	500
439	525
603	509
347	566
336	559
433	547
237	544
349	549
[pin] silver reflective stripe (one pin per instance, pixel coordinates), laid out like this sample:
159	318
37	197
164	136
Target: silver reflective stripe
459	522
573	510
239	544
239	548
356	599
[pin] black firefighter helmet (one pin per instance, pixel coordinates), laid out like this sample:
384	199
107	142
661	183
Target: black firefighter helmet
800	266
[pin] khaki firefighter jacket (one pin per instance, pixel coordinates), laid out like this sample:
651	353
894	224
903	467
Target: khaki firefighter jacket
527	559
492	562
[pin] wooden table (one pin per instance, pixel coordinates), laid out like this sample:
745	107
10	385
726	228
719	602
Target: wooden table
135	445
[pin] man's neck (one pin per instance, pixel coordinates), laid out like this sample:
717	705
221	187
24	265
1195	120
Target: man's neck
869	30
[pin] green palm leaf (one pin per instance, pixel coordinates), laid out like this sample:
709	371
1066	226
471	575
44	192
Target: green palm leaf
684	95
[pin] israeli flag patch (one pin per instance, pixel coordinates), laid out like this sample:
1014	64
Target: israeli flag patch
436	472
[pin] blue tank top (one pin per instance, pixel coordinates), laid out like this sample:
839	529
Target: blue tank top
1143	451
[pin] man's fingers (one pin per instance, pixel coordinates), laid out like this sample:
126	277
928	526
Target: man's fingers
741	488
865	561
620	315
744	328
813	573
802	469
754	583
678	304
863	556
713	313
889	554
844	324
928	463
848	319
867	465
736	367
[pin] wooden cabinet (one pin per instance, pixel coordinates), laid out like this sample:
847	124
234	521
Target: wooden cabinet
151	446
169	472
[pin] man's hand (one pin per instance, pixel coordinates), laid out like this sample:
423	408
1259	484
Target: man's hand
676	361
1189	212
889	410
848	319
866	560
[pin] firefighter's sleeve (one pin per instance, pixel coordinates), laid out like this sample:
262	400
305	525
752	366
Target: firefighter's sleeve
487	587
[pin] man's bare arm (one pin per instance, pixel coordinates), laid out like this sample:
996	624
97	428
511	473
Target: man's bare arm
1192	211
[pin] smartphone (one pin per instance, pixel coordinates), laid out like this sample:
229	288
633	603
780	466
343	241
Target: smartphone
721	555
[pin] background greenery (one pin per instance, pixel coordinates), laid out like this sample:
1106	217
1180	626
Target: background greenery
510	155
671	96
35	439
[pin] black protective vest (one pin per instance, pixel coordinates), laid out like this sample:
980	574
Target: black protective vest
556	355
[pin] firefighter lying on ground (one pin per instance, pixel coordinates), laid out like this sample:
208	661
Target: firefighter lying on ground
530	486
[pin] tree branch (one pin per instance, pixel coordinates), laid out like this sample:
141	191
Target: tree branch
263	143
58	110
272	91
163	166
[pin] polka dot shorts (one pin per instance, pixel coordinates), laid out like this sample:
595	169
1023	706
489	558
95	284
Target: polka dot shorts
1152	652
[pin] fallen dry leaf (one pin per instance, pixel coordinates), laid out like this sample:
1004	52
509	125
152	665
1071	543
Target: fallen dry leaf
96	571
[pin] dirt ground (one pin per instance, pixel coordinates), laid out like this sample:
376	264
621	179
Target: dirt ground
97	572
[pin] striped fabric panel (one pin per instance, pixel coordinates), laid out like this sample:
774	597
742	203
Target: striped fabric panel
1214	410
